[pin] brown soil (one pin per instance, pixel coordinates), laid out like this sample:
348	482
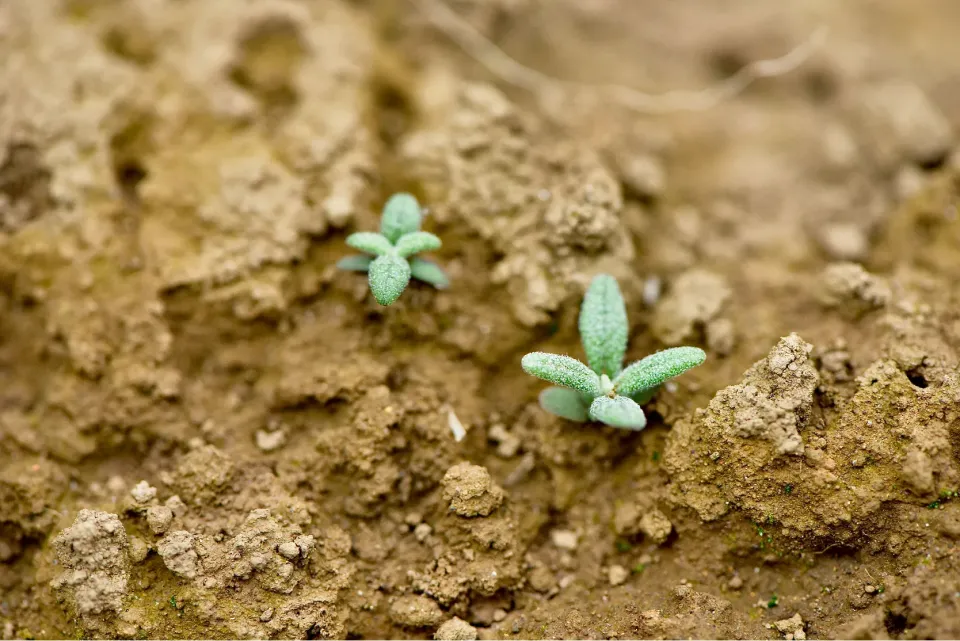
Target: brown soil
207	431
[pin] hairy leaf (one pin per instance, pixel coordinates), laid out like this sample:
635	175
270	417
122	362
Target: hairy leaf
618	411
603	326
653	370
565	403
355	263
416	242
401	215
562	370
389	276
429	272
370	242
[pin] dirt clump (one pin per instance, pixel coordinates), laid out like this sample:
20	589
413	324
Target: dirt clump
471	491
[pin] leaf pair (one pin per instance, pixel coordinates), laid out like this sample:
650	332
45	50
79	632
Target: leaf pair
605	391
392	263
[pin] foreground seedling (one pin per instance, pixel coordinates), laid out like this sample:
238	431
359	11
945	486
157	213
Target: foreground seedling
391	261
604	391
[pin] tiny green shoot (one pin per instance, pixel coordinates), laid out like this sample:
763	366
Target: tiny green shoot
605	391
390	256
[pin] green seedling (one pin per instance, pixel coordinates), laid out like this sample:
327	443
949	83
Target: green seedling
604	391
391	260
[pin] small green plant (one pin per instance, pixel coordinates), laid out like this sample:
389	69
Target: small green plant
391	261
604	391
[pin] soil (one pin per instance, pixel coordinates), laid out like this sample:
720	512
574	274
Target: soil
208	431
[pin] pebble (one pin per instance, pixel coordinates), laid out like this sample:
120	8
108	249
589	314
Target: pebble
289	550
143	492
499	615
617	575
869	589
270	441
159	518
564	539
266	615
422	531
456	629
735	583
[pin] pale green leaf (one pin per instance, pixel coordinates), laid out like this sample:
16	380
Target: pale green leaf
653	370
416	242
603	326
389	276
355	263
565	403
401	215
429	272
562	370
618	411
370	242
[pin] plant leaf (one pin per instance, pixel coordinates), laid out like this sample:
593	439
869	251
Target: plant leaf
653	370
356	263
401	215
389	276
429	272
370	242
416	242
603	326
562	370
565	403
618	411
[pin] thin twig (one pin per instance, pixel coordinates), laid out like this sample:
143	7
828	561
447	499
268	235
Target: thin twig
509	70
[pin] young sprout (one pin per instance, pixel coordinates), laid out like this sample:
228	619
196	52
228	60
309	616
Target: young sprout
391	261
604	391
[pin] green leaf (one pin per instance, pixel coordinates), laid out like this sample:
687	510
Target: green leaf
618	411
389	276
370	242
429	272
416	242
562	370
401	215
565	403
356	263
603	326
655	369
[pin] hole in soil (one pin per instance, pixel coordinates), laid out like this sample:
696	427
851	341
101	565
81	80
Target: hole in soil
725	62
269	55
918	379
895	623
394	112
933	163
25	181
129	175
820	85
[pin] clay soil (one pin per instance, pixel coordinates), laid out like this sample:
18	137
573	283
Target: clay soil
208	431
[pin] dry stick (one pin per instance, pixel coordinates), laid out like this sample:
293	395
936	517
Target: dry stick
509	70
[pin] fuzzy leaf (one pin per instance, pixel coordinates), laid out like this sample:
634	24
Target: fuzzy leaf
401	215
370	242
562	370
565	403
356	263
603	326
429	272
653	370
416	242
389	276
618	411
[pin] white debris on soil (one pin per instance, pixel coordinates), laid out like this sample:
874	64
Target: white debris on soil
456	426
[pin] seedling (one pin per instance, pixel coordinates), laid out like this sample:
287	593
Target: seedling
604	391
391	261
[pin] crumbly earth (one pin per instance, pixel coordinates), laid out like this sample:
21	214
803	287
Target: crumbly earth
210	432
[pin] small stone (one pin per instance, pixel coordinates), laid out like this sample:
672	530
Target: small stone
143	492
735	583
655	526
456	629
844	241
564	539
176	504
415	611
116	485
499	615
792	627
266	615
422	531
159	518
542	579
289	550
869	589
642	174
138	549
626	519
507	444
617	575
270	441
413	519
305	543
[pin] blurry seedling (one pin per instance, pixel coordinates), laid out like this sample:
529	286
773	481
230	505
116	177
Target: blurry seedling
604	391
392	262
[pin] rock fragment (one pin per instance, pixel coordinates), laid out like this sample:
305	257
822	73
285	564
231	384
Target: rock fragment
456	629
415	611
